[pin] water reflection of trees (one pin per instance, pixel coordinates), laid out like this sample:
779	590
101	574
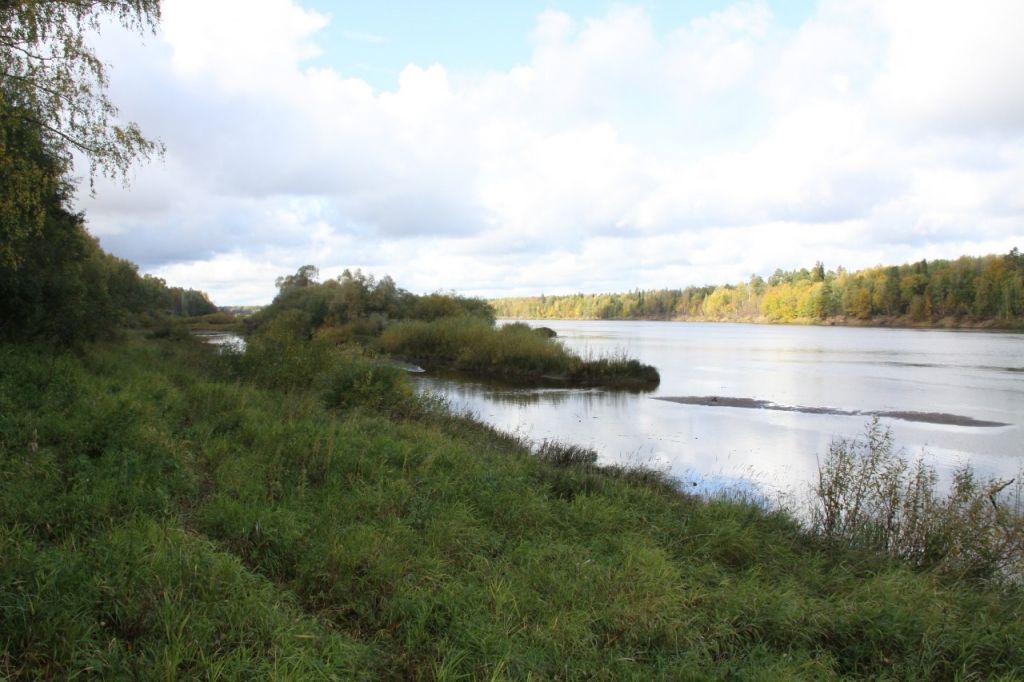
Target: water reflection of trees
477	392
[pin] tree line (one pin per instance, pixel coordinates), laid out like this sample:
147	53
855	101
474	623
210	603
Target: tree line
56	283
359	304
985	290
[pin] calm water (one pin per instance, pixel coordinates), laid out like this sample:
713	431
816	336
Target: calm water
970	374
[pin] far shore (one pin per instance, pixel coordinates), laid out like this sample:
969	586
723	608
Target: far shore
948	323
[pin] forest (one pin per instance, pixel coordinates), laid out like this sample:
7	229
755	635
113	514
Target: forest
985	291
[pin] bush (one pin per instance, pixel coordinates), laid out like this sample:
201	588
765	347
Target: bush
868	495
280	354
354	380
363	331
219	318
167	328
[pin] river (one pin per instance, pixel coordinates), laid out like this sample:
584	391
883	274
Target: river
758	405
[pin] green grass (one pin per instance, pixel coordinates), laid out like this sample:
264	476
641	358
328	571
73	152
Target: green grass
511	352
168	513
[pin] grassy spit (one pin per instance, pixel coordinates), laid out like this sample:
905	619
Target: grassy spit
166	512
511	352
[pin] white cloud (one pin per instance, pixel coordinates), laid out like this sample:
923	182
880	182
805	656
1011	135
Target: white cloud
954	64
620	154
717	52
240	42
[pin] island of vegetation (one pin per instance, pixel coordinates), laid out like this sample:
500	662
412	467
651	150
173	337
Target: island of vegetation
297	511
986	292
437	331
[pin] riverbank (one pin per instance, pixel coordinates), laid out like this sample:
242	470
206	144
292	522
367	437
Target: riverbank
881	322
164	516
886	322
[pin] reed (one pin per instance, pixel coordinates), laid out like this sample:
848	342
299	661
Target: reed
870	495
513	352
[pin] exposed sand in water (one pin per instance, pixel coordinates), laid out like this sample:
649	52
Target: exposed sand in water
754	404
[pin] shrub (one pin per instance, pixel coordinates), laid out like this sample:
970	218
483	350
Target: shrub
280	354
355	380
869	495
217	318
168	328
363	331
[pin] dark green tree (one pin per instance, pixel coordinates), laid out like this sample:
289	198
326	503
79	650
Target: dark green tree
306	276
55	281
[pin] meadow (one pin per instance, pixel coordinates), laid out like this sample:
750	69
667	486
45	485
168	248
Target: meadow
169	512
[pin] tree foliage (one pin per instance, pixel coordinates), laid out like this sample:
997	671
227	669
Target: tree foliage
56	283
52	78
357	304
971	290
305	276
31	184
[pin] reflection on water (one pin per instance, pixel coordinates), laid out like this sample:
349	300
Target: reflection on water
840	374
466	391
225	341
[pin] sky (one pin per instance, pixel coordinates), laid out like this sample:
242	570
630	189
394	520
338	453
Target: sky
504	149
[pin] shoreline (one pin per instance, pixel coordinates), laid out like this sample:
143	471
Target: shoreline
850	323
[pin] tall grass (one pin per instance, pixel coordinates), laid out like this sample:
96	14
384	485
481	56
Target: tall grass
513	351
617	371
282	356
869	495
170	513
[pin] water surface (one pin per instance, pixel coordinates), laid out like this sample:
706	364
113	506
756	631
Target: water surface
781	395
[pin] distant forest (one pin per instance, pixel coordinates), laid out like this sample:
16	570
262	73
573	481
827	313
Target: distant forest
986	291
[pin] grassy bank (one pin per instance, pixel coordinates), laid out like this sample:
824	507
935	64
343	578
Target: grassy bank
165	513
512	352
